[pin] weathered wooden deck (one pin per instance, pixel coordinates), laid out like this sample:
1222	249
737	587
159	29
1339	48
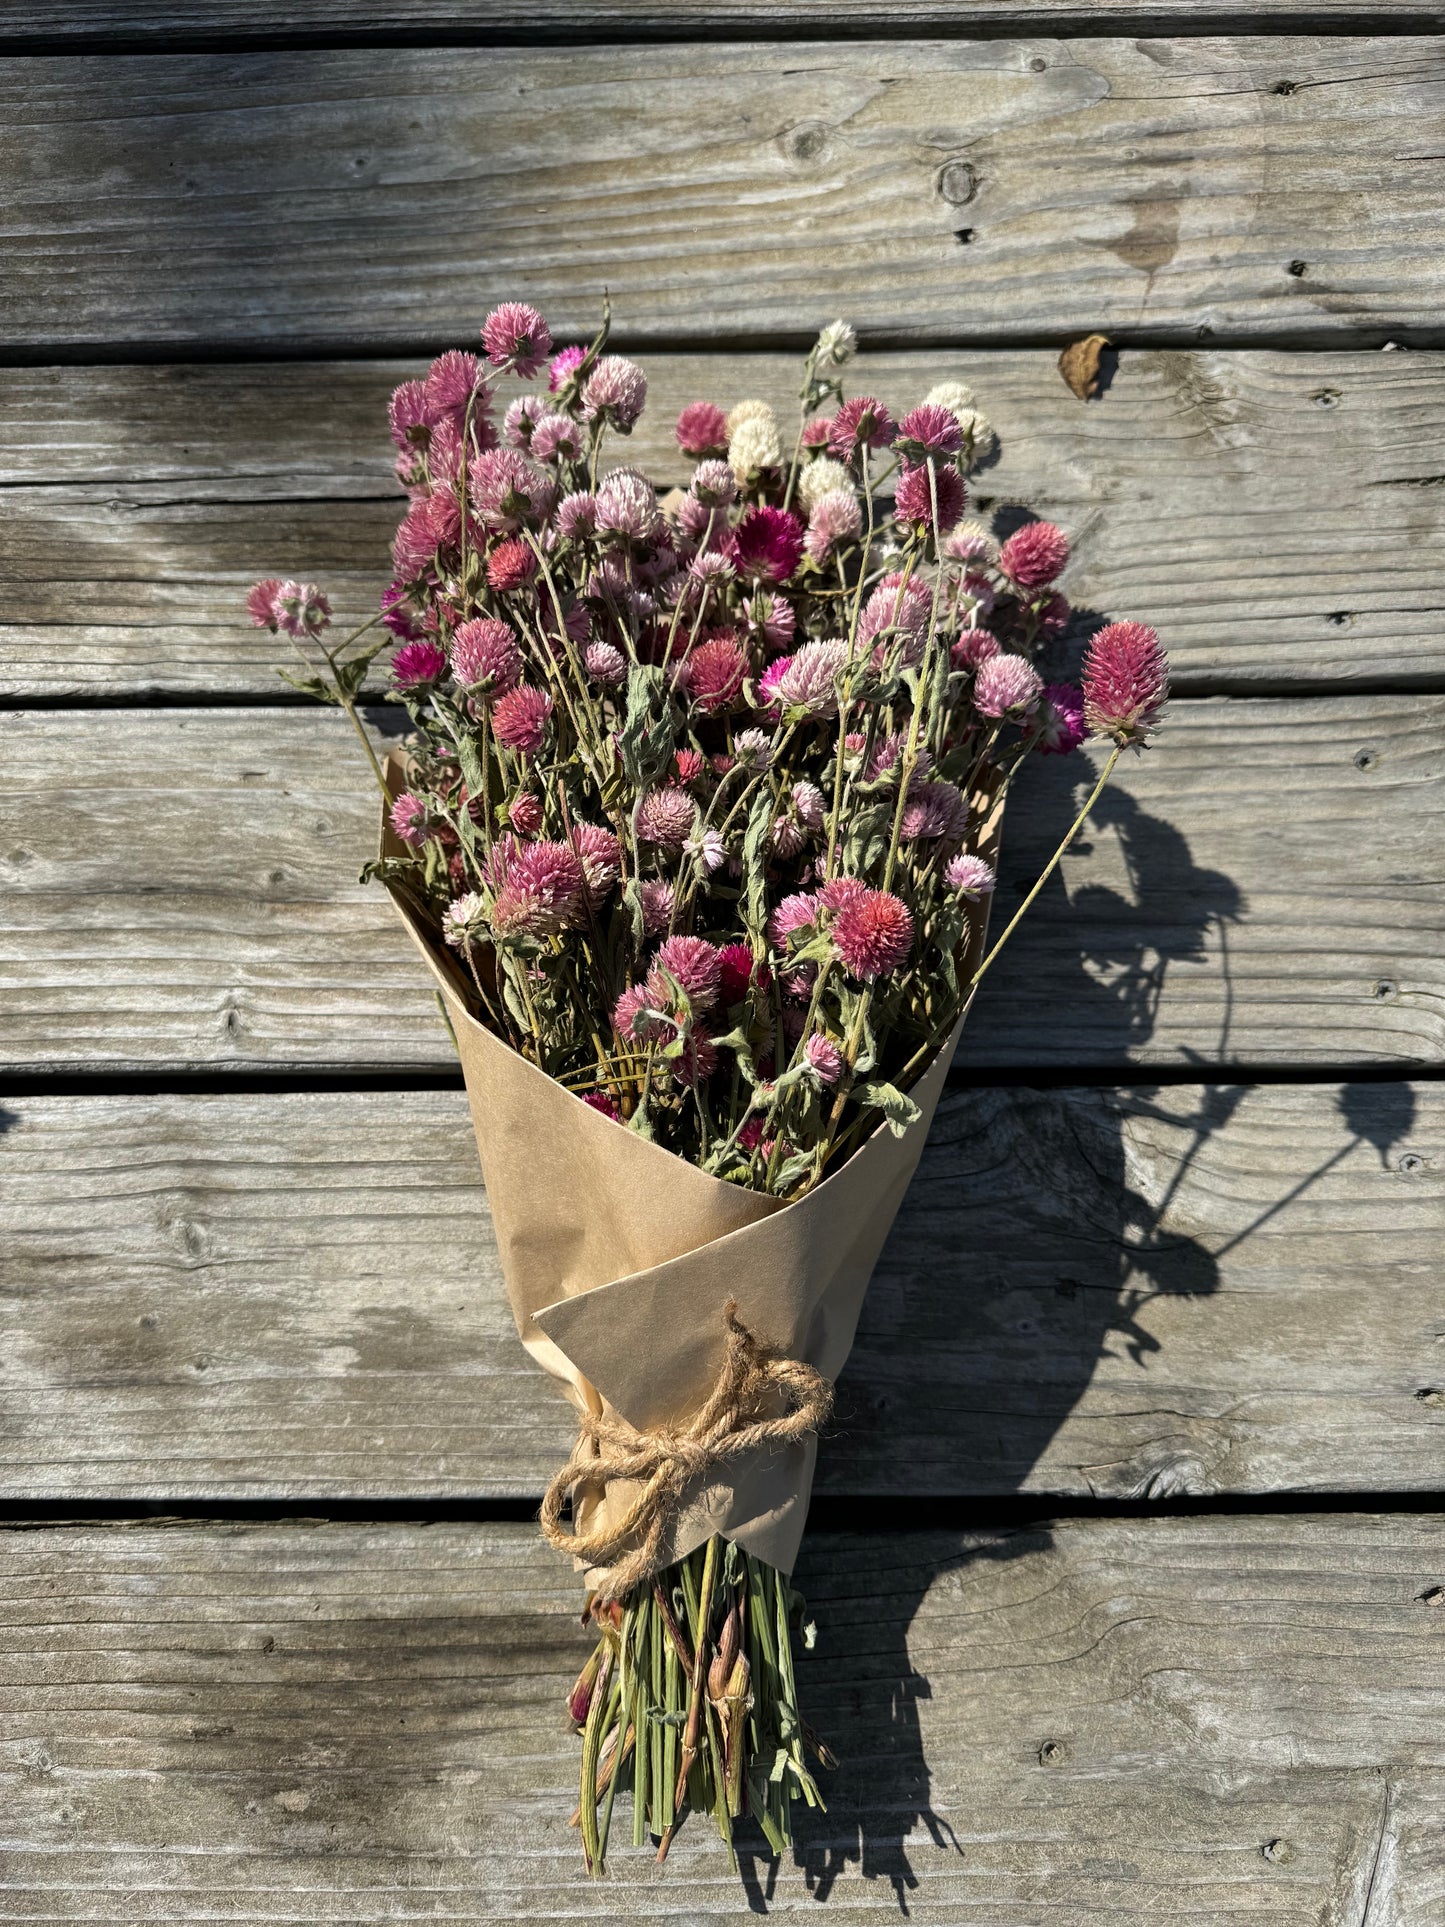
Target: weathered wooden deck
1128	1557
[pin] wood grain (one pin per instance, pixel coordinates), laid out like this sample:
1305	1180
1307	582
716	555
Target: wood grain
1109	1723
1263	888
937	190
1276	516
1103	1293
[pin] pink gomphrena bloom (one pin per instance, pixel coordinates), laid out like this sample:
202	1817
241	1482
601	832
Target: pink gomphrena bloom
417	665
702	429
411	415
751	1134
301	609
486	657
606	666
511	565
261	603
615	392
768	545
524	813
970	876
1006	686
665	817
577	516
861	423
841	891
836	517
976	597
901	608
1034	555
713	483
607	1105
1062	726
658	900
600	855
409	819
971	542
698	1060
509	491
520	719
817	430
454	379
810	807
563	367
934	812
929	429
557	438
631	1021
1126	682
973	648
541	894
694	964
752	749
711	570
714	674
914	495
805	684
823	1058
520	420
797	912
515	336
687	766
772	620
888	755
627	506
873	934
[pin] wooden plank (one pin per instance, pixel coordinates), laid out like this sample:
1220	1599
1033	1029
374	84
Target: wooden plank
1112	1294
1111	1723
938	190
1274	515
1264	889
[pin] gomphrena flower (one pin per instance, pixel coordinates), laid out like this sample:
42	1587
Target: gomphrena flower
1062	726
510	564
509	491
1126	682
837	344
702	429
665	817
929	429
973	648
934	811
563	366
455	381
417	665
736	974
600	855
698	1058
914	495
714	673
768	545
521	419
694	964
464	919
516	336
525	813
627	506
971	542
577	516
261	603
969	875
823	1058
872	933
299	608
1006	686
541	891
520	719
409	819
557	438
1035	555
410	415
713	483
606	666
754	443
636	1020
805	684
833	518
486	657
609	1107
861	423
821	477
659	899
616	389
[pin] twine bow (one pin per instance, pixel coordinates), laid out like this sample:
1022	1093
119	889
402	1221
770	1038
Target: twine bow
741	1414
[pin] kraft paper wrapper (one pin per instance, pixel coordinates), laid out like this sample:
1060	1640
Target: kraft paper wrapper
619	1256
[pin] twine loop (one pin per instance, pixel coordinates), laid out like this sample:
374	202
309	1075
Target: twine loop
740	1414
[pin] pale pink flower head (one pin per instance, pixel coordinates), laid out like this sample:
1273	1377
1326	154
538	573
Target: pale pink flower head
715	672
1006	686
753	748
409	819
706	848
563	367
979	594
873	934
797	912
658	897
627	507
823	1058
772	619
1126	682
694	964
616	391
809	805
861	423
486	657
805	684
973	648
521	419
835	517
520	719
577	516
899	611
417	665
1034	555
929	429
666	817
525	813
511	565
702	429
1063	726
515	335
970	876
301	609
410	414
816	431
913	496
454	379
711	569
557	438
714	483
971	542
934	812
509	491
631	1021
768	544
463	919
261	604
606	666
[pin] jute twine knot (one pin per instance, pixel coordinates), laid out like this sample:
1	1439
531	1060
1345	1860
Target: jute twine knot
741	1413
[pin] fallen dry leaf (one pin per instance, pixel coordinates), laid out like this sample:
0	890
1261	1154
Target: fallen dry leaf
1079	364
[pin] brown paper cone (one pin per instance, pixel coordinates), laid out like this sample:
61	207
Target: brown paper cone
619	1256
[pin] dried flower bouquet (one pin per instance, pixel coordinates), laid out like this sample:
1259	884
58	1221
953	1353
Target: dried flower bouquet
695	825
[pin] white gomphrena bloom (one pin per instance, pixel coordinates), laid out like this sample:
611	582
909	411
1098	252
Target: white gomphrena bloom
820	477
837	343
754	444
953	395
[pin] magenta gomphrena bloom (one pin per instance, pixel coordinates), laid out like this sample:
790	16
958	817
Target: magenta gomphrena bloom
520	719
970	876
563	367
768	544
261	603
694	964
929	429
454	379
873	934
1062	726
627	506
861	423
1126	682
715	672
606	666
509	491
607	1105
486	657
521	418
823	1058
666	817
934	812
797	912
515	335
973	648
511	565
301	609
1034	555
735	974
416	665
616	390
1006	686
408	819
806	683
557	438
577	516
541	893
702	429
525	813
835	517
658	900
913	496
600	854
411	414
